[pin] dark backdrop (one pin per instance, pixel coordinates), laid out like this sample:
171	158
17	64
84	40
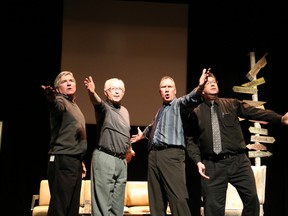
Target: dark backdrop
221	36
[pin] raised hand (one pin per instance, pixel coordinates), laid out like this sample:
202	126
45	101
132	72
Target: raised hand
49	92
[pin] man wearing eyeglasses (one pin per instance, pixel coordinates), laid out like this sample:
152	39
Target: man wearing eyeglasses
226	162
113	149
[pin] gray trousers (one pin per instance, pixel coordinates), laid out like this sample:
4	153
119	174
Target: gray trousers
108	182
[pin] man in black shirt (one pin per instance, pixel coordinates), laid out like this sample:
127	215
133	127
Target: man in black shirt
231	164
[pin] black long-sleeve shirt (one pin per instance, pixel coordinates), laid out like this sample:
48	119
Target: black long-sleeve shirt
200	144
68	130
113	127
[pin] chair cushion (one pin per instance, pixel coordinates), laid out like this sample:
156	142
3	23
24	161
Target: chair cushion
136	193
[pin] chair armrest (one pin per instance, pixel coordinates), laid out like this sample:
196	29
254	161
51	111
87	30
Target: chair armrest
35	198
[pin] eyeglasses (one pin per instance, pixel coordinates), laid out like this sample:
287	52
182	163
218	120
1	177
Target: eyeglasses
114	89
211	82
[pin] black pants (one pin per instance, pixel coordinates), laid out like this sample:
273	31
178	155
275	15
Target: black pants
236	170
167	182
64	177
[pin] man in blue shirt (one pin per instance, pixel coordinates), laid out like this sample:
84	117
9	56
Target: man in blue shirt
166	146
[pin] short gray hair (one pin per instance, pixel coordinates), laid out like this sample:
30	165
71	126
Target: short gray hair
62	73
108	82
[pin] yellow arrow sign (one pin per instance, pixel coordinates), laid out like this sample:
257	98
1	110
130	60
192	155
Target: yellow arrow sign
254	82
256	147
254	103
264	139
253	154
255	130
256	68
260	122
246	90
254	121
261	107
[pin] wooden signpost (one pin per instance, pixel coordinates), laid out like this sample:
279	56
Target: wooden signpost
259	135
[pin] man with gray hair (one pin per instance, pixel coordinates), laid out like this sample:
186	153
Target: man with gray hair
113	149
68	145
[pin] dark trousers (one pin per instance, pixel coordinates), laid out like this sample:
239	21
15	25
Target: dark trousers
167	182
64	178
236	170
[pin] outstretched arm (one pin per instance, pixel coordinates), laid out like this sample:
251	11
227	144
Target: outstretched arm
94	97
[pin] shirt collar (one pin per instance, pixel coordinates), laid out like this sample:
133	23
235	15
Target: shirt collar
117	106
70	98
209	103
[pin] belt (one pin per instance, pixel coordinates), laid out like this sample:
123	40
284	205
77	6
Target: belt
107	151
223	156
162	147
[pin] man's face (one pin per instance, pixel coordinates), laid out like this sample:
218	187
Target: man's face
167	90
211	87
115	92
67	85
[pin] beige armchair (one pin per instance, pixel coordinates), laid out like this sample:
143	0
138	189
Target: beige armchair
40	202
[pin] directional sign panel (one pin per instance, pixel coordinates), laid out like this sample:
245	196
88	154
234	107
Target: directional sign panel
260	122
246	90
256	68
254	121
255	130
254	83
253	154
264	139
261	107
256	147
241	119
254	103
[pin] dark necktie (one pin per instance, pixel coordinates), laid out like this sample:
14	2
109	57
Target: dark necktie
157	118
217	147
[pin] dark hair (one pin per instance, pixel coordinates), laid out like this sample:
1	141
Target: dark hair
212	75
